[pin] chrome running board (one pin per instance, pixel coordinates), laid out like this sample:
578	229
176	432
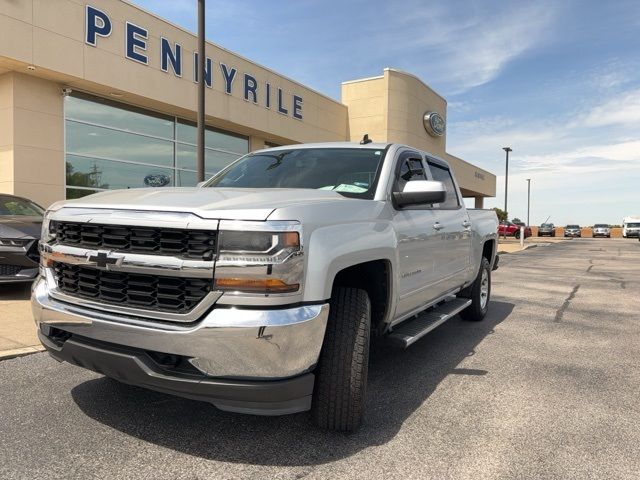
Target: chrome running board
410	331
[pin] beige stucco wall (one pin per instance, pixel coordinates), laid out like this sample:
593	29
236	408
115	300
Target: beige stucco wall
391	107
6	133
472	179
409	99
367	103
31	138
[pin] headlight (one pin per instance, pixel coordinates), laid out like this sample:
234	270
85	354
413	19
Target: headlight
261	262
48	234
257	247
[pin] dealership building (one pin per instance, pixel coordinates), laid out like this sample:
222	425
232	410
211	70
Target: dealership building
102	95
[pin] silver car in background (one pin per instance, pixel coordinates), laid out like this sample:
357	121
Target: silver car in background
601	230
572	231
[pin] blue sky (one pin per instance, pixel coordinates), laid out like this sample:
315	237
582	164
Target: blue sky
557	80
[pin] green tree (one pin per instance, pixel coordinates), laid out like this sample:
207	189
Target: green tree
79	179
502	215
516	220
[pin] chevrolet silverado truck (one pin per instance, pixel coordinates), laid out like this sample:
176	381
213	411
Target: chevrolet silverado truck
258	291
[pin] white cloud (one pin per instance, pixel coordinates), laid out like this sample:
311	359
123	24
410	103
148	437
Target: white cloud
607	130
620	110
590	159
467	47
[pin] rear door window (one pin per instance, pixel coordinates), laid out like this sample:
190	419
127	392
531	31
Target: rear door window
442	174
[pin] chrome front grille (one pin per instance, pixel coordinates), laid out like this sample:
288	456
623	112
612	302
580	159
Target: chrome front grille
181	243
171	294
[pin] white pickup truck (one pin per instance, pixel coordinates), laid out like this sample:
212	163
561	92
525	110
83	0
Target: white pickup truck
259	290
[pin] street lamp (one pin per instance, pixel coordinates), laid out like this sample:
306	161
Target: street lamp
506	184
506	178
528	200
201	90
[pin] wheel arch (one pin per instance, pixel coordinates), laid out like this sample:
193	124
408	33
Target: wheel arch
374	277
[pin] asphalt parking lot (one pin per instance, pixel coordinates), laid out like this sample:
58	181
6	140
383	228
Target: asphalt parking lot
548	386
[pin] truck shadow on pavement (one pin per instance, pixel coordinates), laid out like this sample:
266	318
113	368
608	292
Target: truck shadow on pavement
399	383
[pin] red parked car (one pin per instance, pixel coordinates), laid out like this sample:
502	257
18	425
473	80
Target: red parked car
512	230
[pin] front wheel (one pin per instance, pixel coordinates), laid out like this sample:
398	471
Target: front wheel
480	293
341	375
517	234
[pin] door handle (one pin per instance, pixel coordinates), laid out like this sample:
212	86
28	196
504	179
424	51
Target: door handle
438	226
466	224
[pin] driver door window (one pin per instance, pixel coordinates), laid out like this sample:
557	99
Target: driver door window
410	169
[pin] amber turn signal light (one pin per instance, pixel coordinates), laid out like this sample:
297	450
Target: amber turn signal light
260	285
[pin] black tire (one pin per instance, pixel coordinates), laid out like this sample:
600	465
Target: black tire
341	375
517	234
476	312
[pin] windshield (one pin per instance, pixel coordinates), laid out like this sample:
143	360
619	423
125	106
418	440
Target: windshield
352	172
573	226
601	225
14	206
633	225
546	225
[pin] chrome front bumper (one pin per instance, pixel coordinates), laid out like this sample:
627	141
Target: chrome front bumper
225	343
242	360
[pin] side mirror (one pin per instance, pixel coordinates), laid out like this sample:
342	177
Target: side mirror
418	192
200	184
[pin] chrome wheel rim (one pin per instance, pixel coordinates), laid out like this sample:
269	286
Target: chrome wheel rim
484	289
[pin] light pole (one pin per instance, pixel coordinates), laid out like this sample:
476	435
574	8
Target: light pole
506	178
506	184
528	200
201	90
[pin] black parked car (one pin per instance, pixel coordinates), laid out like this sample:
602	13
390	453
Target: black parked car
20	225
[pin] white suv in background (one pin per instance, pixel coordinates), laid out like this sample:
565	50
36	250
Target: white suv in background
631	227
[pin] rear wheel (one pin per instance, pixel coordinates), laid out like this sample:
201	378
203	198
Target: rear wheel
480	293
517	234
341	375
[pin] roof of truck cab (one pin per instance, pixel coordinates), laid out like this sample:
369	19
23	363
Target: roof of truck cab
366	146
372	146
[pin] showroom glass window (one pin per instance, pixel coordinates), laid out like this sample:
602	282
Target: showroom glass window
110	145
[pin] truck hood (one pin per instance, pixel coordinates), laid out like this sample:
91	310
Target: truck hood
223	203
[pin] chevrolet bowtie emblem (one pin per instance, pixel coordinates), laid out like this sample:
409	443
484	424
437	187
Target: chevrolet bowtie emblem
102	259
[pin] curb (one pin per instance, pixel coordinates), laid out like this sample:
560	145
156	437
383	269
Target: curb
526	247
20	352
